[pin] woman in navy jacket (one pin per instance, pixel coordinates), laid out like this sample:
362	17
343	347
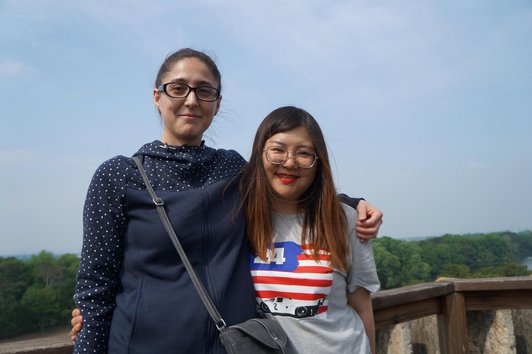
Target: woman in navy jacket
132	289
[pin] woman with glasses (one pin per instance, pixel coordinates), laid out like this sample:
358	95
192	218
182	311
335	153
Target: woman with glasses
309	270
132	289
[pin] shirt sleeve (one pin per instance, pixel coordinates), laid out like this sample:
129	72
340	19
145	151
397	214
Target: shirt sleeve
362	271
104	224
352	202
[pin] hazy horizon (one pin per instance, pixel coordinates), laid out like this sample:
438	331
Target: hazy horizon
419	238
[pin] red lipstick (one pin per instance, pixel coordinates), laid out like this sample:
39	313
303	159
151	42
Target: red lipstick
286	178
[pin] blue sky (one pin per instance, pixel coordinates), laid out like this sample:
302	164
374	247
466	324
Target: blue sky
426	106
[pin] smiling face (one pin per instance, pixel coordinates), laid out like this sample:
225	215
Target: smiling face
289	181
186	119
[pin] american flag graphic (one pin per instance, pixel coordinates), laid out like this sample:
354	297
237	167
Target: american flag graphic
291	282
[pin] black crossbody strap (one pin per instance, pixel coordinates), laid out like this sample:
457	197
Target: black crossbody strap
159	203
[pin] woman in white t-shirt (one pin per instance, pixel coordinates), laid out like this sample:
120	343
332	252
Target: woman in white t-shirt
310	270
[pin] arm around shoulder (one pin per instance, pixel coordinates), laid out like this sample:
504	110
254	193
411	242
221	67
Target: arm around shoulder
369	217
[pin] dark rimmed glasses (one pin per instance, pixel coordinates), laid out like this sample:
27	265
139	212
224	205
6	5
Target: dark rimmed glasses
278	156
181	90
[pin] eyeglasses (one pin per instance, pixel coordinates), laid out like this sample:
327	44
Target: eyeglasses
278	156
181	90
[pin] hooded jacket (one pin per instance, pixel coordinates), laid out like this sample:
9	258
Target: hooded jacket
132	288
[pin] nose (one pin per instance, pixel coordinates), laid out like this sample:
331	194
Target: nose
290	162
191	99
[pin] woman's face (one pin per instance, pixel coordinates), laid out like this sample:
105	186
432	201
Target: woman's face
186	119
289	181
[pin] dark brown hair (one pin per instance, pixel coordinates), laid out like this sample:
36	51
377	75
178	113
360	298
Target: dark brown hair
183	53
324	224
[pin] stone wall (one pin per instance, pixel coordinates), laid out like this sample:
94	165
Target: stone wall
522	320
490	332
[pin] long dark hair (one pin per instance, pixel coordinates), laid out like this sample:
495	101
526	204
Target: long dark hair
324	224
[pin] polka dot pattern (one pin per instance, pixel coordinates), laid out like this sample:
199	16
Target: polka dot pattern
104	221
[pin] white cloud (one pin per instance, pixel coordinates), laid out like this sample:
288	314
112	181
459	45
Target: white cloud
387	48
478	166
17	155
380	49
139	22
13	68
27	158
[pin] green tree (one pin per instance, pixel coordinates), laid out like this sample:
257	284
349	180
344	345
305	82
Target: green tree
15	277
502	270
46	270
36	293
473	251
399	263
387	264
454	270
42	306
522	242
438	253
66	286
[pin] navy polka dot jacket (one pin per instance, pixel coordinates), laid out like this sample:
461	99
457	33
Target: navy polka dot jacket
132	289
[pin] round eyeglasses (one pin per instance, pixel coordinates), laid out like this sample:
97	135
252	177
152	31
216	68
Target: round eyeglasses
181	90
278	156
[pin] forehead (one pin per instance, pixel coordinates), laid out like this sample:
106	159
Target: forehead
192	71
299	136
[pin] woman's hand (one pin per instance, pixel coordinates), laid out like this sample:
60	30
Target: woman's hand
369	221
77	323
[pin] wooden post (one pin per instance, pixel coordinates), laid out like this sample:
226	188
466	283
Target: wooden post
452	325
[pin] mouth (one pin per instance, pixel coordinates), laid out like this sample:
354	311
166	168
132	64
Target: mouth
189	115
286	178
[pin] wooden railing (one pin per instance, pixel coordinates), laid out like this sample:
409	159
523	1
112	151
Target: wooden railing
448	299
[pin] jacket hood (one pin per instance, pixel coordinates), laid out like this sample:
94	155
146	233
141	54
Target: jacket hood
195	166
180	154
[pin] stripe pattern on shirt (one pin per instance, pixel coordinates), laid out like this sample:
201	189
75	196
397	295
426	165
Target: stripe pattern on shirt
291	282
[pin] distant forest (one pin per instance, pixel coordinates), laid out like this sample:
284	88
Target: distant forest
36	292
498	254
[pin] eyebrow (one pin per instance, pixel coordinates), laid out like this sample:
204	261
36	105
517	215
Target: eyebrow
310	147
198	83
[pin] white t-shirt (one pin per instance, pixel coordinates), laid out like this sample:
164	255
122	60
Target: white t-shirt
309	298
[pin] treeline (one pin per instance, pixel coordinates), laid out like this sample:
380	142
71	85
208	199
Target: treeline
36	293
401	262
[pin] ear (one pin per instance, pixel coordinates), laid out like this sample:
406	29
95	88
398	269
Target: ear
156	98
218	103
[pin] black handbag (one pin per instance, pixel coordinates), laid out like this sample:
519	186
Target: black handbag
256	335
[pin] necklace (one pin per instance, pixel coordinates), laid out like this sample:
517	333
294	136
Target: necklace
174	147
